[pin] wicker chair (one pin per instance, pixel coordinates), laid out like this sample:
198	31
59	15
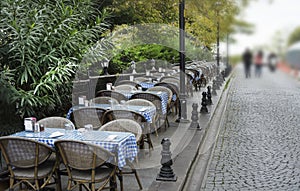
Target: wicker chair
87	165
148	128
127	82
114	114
174	81
190	82
88	115
144	102
170	94
125	125
109	93
55	122
175	90
162	89
103	100
142	79
203	81
125	87
29	162
169	77
155	99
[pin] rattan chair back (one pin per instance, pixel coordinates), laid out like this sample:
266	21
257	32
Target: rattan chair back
28	162
175	91
109	93
155	99
127	82
86	164
172	87
103	100
125	87
114	114
174	81
124	125
162	89
88	115
142	79
139	102
55	122
72	153
169	77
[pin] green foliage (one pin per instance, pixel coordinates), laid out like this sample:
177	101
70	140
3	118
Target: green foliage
142	54
41	45
144	42
294	36
201	16
139	11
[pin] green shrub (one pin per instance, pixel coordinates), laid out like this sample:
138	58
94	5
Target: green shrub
41	45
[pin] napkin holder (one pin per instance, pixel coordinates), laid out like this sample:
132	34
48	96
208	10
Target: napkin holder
29	124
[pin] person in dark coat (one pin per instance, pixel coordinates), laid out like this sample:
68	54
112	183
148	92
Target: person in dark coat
247	60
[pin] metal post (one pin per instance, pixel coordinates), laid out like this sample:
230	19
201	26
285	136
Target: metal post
227	48
218	43
183	111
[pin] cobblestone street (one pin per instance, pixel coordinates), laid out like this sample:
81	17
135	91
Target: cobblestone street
258	147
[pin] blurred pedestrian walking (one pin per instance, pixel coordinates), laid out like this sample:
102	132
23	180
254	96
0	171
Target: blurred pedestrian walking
272	61
258	61
247	59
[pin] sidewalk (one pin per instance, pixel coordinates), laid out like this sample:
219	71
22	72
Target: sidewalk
185	145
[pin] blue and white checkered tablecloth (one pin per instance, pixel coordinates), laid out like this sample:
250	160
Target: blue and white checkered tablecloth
174	97
147	85
123	145
164	100
163	96
147	112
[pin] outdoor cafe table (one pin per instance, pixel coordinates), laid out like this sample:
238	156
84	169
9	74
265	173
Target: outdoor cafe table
163	96
121	143
147	111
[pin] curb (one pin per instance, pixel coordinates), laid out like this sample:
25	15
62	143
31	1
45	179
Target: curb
184	164
197	176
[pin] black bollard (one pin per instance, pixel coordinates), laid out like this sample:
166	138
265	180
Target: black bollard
194	123
204	103
209	101
166	172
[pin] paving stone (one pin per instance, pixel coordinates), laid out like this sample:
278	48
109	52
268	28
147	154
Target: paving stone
258	143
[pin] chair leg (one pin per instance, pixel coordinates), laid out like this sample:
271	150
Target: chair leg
155	128
167	124
113	183
57	180
149	141
137	179
69	185
120	176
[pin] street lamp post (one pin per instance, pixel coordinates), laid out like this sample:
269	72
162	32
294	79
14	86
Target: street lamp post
218	42
218	4
183	110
